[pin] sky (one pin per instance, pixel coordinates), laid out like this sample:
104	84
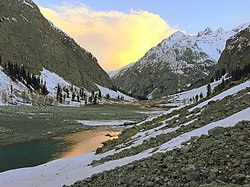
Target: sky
119	32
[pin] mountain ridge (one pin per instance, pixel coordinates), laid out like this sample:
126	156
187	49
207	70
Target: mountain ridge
184	59
38	43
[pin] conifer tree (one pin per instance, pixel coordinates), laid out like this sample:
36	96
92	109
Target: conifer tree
201	95
95	100
99	94
197	98
73	96
209	90
59	91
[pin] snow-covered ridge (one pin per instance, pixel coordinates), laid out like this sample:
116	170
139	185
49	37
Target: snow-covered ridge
206	45
112	74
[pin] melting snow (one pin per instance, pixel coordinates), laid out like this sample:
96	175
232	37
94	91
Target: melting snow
113	94
104	123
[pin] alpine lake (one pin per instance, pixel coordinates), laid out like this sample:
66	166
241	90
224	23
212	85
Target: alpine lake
33	135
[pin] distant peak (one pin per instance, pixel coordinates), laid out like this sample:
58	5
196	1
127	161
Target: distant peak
220	30
207	31
178	34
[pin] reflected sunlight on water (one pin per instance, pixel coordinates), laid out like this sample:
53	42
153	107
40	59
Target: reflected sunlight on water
87	141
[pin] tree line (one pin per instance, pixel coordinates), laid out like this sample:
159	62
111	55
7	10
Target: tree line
20	73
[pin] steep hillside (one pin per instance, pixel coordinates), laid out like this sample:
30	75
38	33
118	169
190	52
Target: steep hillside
180	62
235	59
26	37
172	148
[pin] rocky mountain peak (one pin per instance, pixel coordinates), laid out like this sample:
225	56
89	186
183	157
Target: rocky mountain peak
207	31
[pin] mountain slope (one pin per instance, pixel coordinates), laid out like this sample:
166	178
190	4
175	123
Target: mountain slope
235	59
178	63
30	39
166	142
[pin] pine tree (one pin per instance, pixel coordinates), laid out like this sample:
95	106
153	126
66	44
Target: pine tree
90	99
99	94
191	100
197	98
61	97
201	95
59	91
223	84
73	96
95	100
44	90
209	90
107	96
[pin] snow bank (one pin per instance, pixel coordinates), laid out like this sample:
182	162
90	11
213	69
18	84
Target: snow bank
224	94
227	122
104	123
180	97
52	80
18	89
114	94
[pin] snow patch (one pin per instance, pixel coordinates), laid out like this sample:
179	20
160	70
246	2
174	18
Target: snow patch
104	123
113	94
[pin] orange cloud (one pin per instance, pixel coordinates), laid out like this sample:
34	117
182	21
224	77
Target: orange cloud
115	38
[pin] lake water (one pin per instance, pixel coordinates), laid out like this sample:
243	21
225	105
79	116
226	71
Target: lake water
36	152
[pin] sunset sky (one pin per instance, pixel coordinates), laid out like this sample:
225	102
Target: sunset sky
119	32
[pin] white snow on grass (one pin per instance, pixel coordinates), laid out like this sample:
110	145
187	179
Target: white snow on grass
224	94
104	123
227	122
141	137
180	97
18	89
69	170
113	94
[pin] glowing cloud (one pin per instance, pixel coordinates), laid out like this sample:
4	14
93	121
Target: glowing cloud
115	38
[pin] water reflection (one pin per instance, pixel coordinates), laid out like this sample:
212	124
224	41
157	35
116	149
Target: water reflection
87	141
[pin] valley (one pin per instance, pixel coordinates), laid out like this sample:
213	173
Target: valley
177	116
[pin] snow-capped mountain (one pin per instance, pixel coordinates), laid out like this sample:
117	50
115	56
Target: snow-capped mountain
36	57
179	62
235	59
27	38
